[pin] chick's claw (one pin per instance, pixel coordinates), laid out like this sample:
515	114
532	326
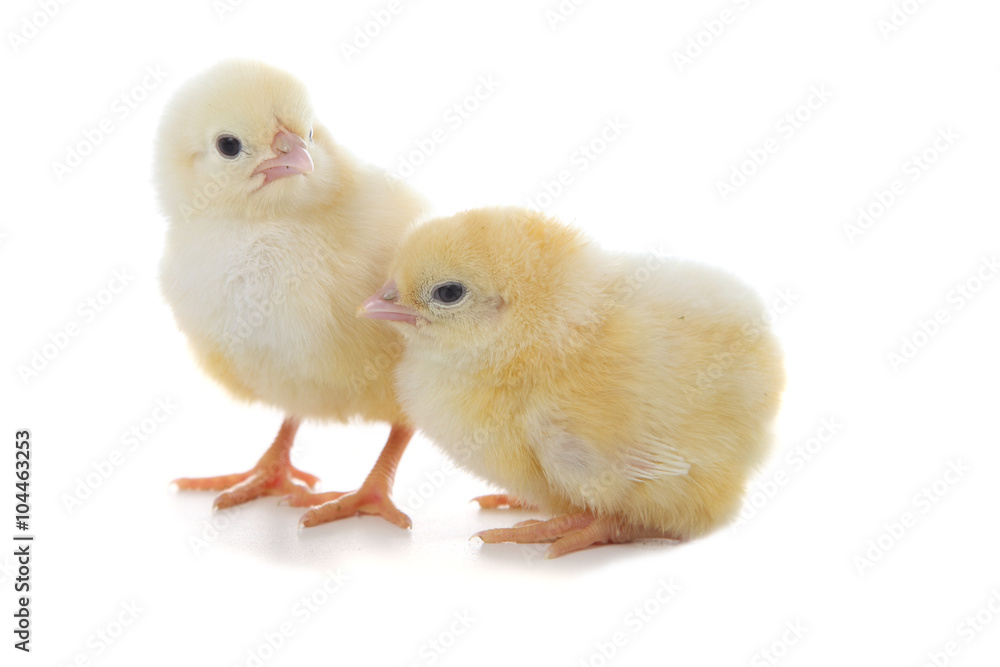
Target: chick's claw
273	475
374	495
569	533
371	501
258	483
533	530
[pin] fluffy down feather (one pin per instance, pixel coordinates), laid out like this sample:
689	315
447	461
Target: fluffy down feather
631	395
275	233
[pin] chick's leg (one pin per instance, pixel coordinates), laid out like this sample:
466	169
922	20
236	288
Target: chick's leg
570	532
374	495
274	475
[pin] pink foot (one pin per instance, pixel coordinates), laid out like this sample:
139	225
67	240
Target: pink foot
273	475
372	498
570	532
363	501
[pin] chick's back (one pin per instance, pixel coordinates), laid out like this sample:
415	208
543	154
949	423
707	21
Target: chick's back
673	392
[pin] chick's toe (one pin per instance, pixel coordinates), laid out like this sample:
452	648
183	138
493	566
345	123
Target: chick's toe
273	475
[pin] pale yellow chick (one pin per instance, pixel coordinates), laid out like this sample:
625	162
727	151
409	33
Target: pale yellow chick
275	234
630	396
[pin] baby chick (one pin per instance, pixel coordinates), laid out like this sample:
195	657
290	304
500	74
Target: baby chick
630	396
275	233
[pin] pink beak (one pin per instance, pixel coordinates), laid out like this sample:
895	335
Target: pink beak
293	158
381	306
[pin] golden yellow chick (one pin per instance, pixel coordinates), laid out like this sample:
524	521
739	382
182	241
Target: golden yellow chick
275	233
630	396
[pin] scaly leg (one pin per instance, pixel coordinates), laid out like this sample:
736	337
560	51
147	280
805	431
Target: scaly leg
372	498
571	532
274	475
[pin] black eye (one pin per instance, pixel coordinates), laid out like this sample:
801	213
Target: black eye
229	145
310	135
449	293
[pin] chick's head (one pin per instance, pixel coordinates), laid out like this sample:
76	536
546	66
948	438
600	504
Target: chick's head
495	278
241	141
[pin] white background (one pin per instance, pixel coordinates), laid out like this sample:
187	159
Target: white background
845	548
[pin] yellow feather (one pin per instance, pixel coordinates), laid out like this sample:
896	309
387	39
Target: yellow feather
264	279
638	387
